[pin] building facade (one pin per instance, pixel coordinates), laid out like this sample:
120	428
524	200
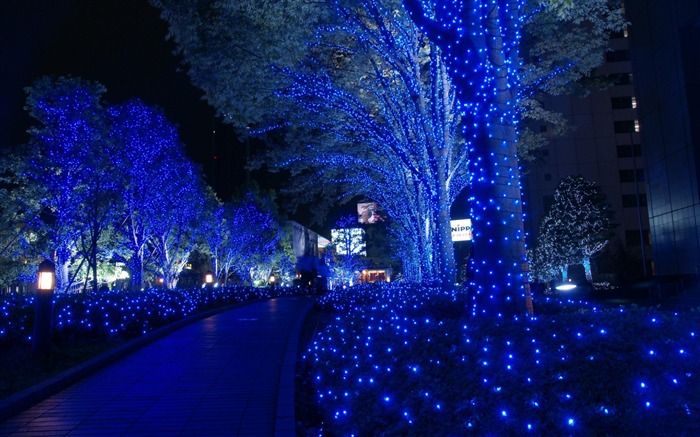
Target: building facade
665	51
604	147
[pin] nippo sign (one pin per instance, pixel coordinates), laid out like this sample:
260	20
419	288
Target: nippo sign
461	230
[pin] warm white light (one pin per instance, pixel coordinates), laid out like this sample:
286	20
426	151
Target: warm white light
46	276
566	286
45	281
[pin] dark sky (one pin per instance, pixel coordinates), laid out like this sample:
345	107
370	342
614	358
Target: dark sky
121	44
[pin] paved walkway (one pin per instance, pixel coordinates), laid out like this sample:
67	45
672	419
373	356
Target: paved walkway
231	374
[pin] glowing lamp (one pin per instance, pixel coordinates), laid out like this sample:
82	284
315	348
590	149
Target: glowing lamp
208	278
566	286
272	280
46	279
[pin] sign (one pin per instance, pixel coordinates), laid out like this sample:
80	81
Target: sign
461	230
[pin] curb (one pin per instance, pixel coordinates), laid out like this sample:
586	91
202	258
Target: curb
285	419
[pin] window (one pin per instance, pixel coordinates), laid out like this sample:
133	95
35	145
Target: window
617	55
629	150
629	175
630	200
623	102
621	78
626	126
633	237
624	33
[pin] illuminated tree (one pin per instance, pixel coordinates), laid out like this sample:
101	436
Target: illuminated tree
481	42
554	252
582	221
348	251
73	153
252	247
384	107
478	40
155	172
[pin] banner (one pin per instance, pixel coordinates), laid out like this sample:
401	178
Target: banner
461	230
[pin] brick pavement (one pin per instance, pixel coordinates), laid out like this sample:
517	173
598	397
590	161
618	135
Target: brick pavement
230	374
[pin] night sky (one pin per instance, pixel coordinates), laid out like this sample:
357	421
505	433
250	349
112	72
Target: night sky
121	44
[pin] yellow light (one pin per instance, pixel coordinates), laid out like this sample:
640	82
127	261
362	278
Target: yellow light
209	277
46	277
45	281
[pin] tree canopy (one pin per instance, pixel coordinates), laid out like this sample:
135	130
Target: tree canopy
578	226
100	184
377	97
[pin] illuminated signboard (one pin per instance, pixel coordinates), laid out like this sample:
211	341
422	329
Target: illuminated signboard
369	212
461	230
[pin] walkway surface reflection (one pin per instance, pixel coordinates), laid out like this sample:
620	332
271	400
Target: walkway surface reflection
231	374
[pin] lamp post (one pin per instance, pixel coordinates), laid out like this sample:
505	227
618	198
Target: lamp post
43	307
208	279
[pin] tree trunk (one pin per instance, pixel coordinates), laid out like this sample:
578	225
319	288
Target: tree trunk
62	276
137	270
444	248
93	257
499	247
587	269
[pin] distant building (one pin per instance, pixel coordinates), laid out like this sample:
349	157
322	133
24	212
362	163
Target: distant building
665	51
308	247
604	147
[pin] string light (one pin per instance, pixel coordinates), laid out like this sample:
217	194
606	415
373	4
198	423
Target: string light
496	372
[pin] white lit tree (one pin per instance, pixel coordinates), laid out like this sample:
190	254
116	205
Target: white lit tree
349	250
581	208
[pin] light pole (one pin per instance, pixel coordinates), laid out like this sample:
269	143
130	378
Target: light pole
43	307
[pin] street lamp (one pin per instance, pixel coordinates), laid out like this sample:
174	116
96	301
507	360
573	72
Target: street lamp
272	280
43	307
208	279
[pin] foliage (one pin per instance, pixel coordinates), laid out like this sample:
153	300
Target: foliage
98	185
229	48
562	45
251	239
347	254
390	361
577	226
378	102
